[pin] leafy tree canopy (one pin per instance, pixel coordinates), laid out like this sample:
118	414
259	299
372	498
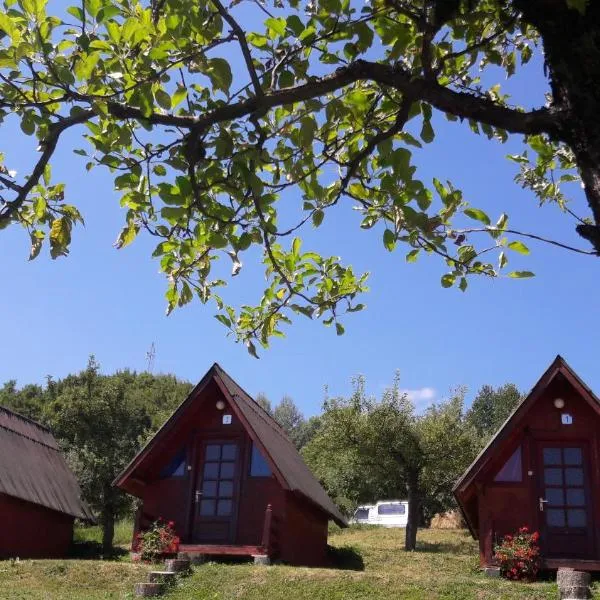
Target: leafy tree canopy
491	408
367	449
333	101
101	421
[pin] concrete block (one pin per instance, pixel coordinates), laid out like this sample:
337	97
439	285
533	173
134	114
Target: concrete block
573	585
166	577
261	559
493	572
148	589
177	565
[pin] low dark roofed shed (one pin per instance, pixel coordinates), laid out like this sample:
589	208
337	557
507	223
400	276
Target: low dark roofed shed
33	469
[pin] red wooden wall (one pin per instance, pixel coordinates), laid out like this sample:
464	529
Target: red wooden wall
504	507
302	529
32	531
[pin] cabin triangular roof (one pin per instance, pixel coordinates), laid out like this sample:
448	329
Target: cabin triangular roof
288	466
33	469
559	366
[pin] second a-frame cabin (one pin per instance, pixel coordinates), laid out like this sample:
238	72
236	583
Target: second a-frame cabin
541	470
231	480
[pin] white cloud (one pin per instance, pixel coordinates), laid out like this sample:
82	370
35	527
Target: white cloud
421	397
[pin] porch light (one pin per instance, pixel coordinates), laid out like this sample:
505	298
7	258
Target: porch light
559	403
220	405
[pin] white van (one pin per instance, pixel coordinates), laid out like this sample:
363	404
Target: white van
387	513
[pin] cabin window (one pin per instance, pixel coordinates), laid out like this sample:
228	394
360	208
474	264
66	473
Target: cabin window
176	468
258	465
512	470
392	508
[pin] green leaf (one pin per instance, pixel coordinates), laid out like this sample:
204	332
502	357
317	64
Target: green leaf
179	96
463	284
478	215
127	235
427	133
276	26
521	274
448	280
163	99
142	98
317	217
60	237
412	256
219	73
519	247
389	239
27	124
339	329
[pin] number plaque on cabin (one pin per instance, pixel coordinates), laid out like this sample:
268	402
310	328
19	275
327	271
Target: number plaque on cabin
226	419
566	419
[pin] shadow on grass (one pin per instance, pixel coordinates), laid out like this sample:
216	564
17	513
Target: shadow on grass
459	547
93	551
345	558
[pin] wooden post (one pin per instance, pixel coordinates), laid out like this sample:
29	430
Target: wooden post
266	537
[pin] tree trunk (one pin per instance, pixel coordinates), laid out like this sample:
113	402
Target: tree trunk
414	511
572	54
108	530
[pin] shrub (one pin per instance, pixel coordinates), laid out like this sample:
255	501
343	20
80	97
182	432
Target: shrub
157	542
519	555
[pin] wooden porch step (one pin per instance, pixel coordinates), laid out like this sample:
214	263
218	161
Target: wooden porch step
220	550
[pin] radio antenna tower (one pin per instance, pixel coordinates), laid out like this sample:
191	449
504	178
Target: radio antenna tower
150	358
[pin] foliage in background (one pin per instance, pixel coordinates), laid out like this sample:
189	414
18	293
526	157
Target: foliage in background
157	542
491	408
333	103
100	422
519	555
290	418
366	446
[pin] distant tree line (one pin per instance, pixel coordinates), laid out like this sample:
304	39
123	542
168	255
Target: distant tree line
361	448
100	421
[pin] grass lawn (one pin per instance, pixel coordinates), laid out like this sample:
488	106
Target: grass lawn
444	567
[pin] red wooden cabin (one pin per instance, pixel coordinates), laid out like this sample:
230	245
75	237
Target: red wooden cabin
39	495
541	470
231	480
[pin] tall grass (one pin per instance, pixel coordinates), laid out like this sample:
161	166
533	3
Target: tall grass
93	533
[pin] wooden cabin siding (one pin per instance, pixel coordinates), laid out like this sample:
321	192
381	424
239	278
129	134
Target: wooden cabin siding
304	535
494	508
295	529
33	531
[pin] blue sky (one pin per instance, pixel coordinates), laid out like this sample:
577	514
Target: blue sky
110	303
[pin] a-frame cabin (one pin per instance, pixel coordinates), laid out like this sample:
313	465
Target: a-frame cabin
231	480
541	470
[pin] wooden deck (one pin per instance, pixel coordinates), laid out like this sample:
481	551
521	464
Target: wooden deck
221	550
571	563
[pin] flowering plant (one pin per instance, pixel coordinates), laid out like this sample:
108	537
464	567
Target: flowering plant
158	541
519	555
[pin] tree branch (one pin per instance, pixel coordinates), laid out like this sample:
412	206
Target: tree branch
49	146
532	236
241	37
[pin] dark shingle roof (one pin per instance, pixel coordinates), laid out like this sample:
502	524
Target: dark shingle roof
291	470
33	469
298	476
